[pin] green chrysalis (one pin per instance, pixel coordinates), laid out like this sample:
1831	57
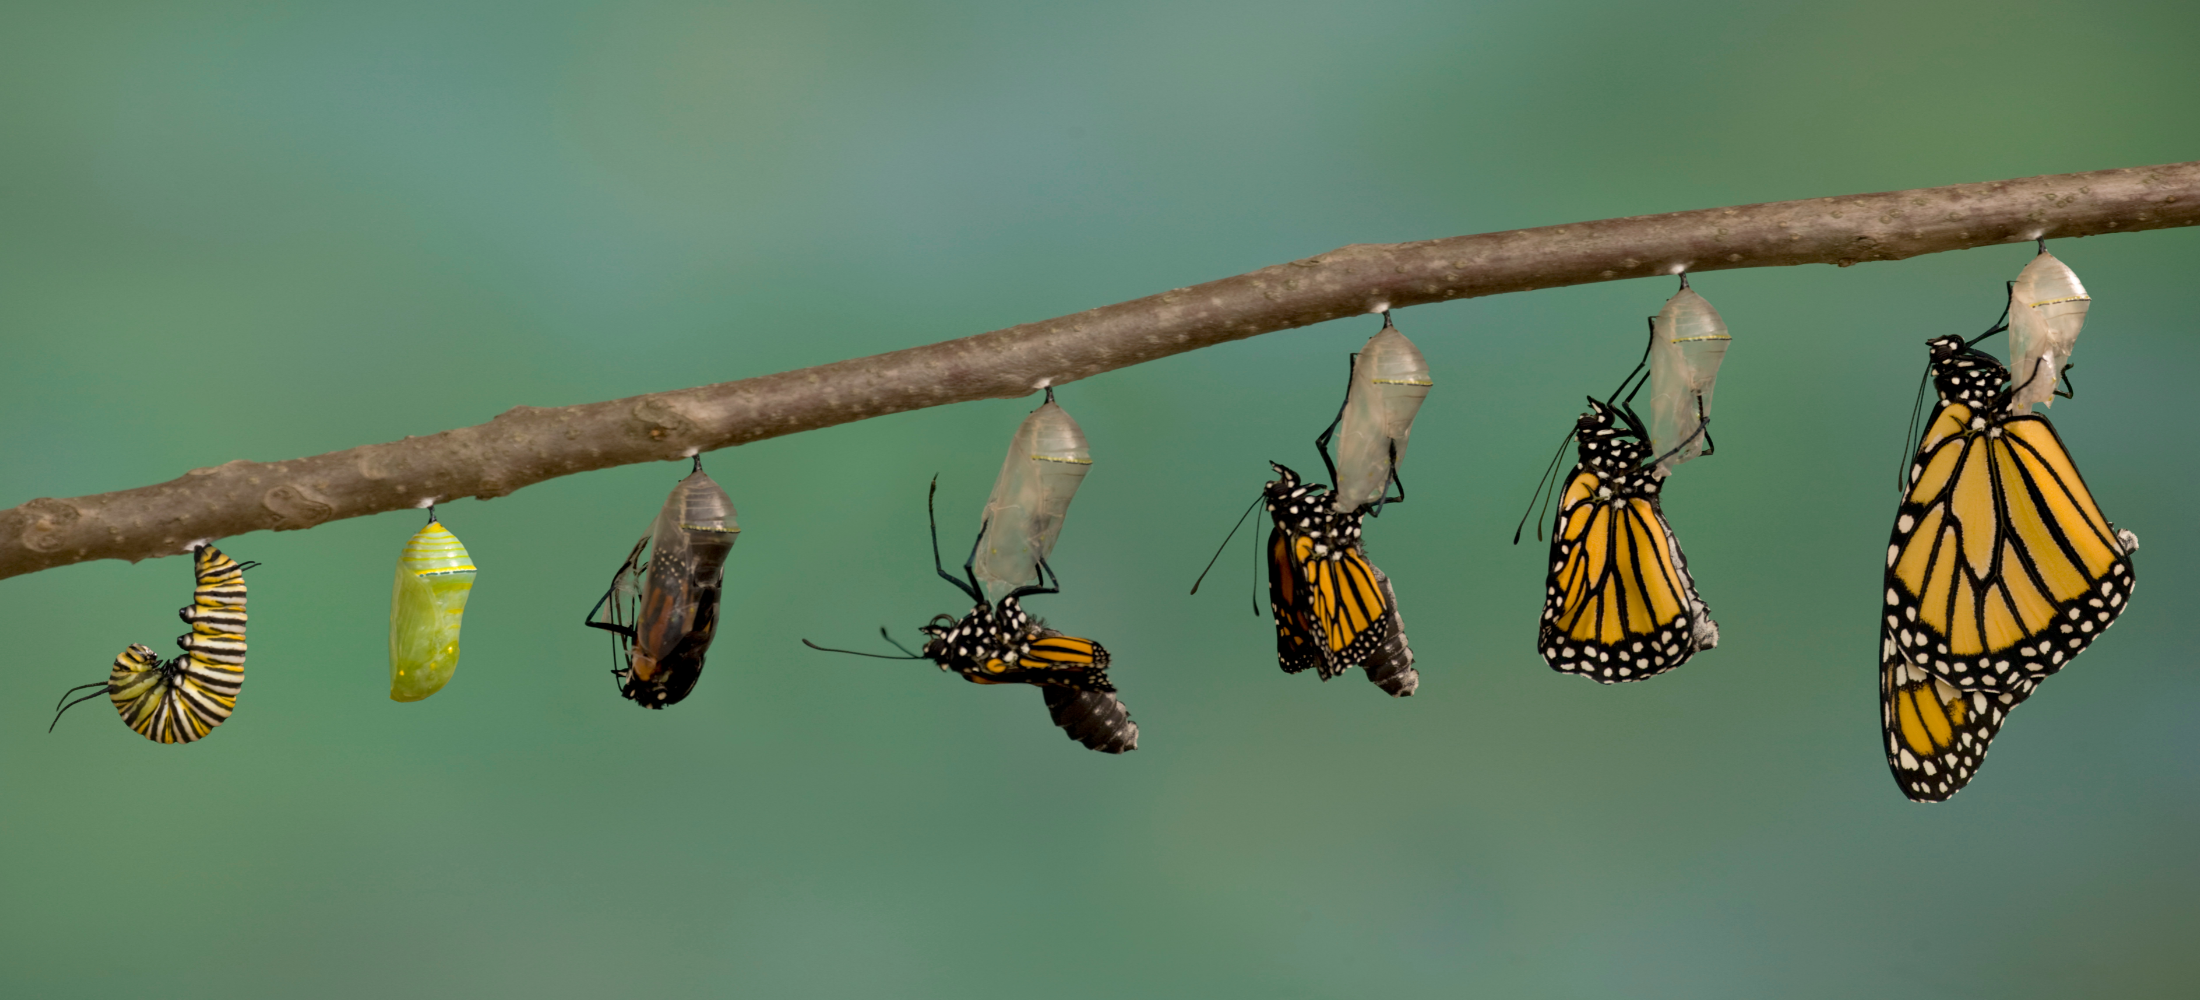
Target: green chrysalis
434	577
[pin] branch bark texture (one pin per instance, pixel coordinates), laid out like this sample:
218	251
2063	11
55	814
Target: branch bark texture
526	445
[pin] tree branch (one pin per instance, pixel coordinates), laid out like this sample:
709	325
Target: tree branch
526	444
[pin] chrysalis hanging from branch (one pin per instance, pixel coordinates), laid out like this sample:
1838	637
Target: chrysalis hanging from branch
1390	378
434	578
2047	307
1047	460
998	642
1333	609
1687	342
1619	603
663	600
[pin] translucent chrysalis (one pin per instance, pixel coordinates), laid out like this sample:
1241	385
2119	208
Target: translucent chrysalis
434	578
2047	308
664	599
1047	459
1687	342
1389	380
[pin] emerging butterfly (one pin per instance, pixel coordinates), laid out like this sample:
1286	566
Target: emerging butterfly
663	606
184	698
1619	604
2000	570
1001	643
1334	610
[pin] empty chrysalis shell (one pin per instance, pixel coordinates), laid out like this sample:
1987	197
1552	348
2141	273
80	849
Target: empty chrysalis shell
1687	342
434	578
1047	460
678	613
1389	380
2047	308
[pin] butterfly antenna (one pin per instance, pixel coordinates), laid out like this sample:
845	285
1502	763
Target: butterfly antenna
889	637
1226	541
1548	472
875	656
1252	589
1917	411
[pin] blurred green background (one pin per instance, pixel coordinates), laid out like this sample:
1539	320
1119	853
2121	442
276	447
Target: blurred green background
264	230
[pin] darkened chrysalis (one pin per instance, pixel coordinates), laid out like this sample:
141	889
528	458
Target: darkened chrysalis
664	598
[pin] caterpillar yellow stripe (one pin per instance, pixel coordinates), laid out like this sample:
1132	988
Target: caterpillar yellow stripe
185	698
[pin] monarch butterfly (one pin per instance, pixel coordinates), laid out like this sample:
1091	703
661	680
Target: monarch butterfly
1619	604
427	604
1001	643
1333	608
664	608
183	699
2000	570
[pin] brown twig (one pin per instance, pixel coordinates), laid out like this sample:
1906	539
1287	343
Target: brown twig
527	445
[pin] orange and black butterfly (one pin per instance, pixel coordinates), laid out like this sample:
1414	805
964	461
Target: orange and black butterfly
1001	643
1333	609
1619	604
2000	570
182	699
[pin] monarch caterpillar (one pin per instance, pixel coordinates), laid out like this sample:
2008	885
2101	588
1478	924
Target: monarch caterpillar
183	699
1047	460
2000	570
664	605
1618	602
427	604
1687	342
999	642
2047	307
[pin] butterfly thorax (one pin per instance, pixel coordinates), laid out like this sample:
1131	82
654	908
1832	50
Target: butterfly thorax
1614	454
1963	375
1303	511
986	635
